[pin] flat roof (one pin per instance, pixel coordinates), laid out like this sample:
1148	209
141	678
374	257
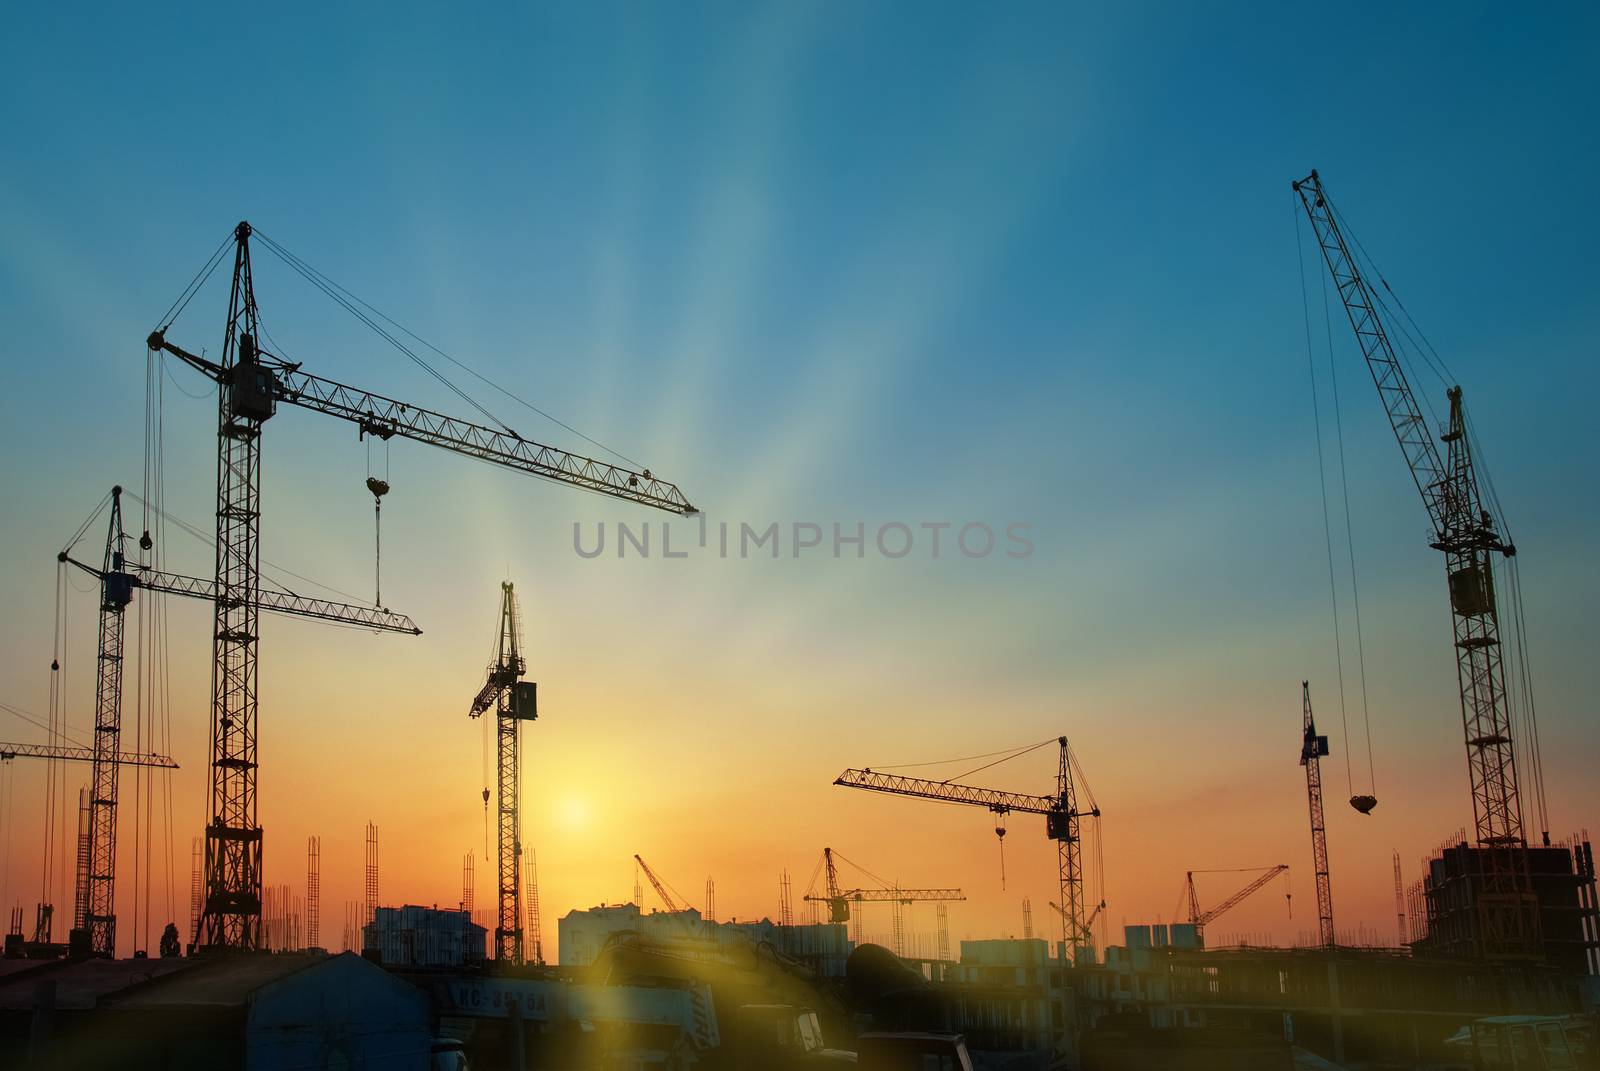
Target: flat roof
219	981
80	983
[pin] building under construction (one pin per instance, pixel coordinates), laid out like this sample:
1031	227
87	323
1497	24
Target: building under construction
1446	904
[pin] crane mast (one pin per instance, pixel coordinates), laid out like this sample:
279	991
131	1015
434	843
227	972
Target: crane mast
515	701
1465	532
838	907
251	383
1312	748
99	901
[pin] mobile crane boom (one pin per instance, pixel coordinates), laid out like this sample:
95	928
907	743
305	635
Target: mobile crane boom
661	889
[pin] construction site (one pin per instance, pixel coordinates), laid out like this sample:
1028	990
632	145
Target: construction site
207	864
1497	941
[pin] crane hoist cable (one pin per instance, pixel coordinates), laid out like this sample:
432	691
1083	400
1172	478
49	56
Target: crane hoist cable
1519	663
210	543
1365	802
326	284
72	737
181	302
152	552
1004	755
7	821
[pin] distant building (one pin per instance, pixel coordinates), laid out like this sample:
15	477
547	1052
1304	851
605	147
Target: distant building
1004	962
413	936
584	933
1161	935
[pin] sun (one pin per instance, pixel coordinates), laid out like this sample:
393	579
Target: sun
573	813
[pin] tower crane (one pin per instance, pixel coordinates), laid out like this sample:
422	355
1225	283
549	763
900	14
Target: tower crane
1466	533
1086	935
119	575
515	701
1201	918
839	899
252	382
1060	811
1312	748
9	751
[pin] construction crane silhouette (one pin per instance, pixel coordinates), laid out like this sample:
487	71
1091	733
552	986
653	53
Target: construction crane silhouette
660	887
101	760
1200	919
1060	811
9	751
119	575
1086	935
252	382
515	701
839	899
1312	748
1466	533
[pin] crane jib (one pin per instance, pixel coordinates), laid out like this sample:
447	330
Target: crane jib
386	417
255	387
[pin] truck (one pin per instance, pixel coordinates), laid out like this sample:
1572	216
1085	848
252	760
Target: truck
912	1052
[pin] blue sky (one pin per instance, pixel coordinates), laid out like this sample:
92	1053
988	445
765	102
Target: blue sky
833	262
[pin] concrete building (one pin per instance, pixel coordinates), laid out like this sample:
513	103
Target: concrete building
1025	962
413	936
1444	904
1005	995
